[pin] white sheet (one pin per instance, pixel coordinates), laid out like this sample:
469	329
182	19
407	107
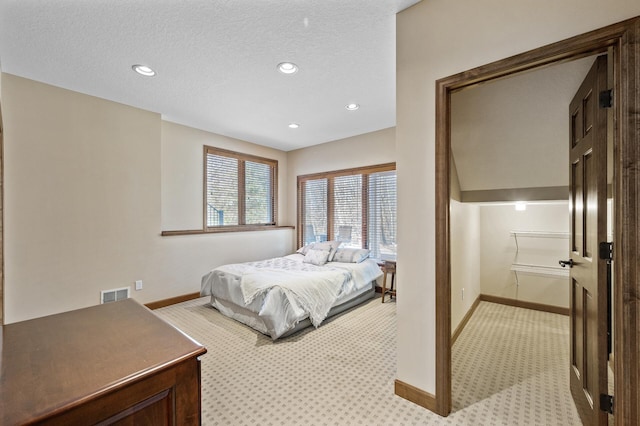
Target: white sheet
283	291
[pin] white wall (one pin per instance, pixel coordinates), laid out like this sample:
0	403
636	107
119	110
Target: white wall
465	259
435	39
83	204
498	251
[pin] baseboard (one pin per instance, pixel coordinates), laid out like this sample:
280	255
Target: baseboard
172	301
527	305
415	395
465	320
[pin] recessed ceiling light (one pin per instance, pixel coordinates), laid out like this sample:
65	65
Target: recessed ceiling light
144	70
287	68
294	125
352	107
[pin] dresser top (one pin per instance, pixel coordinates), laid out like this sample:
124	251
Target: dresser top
50	364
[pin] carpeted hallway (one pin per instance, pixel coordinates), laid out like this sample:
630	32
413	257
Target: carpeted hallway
510	367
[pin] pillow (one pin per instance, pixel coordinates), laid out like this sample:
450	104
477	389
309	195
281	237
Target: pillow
305	249
332	246
350	255
316	257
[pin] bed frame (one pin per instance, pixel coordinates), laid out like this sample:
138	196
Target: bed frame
338	309
368	293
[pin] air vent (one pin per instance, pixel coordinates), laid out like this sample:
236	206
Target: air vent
114	295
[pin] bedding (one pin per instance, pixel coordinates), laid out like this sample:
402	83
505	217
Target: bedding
273	296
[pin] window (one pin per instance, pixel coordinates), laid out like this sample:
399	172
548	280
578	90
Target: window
239	190
356	207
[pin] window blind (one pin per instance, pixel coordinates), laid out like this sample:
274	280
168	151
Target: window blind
356	207
240	190
347	210
222	190
382	220
314	218
258	190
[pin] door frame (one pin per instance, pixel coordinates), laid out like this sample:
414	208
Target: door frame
623	40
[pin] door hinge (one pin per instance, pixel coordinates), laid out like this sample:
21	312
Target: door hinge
606	98
606	403
605	251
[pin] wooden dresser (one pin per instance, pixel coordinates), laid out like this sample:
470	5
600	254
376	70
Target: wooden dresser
116	363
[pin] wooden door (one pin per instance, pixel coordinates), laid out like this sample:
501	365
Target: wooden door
587	175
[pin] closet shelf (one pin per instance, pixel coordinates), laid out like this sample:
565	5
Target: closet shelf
540	234
545	270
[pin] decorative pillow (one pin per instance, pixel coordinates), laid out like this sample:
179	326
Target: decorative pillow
305	249
350	255
316	257
332	246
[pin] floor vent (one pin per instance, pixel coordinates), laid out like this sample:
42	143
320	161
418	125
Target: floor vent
114	295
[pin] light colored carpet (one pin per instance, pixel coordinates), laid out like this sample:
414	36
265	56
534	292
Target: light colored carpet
510	367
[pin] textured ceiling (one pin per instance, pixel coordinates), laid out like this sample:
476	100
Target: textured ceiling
216	61
514	132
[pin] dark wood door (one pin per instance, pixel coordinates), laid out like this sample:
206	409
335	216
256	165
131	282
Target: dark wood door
588	167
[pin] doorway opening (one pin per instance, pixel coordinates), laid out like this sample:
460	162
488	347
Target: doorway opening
621	42
509	222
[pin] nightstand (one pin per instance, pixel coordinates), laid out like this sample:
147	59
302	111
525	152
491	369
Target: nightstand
388	267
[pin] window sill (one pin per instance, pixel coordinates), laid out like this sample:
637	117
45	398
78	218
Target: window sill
248	228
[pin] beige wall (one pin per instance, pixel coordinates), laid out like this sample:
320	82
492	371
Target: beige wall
498	251
363	150
182	166
92	183
465	256
435	39
83	205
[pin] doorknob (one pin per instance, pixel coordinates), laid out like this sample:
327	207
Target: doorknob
564	263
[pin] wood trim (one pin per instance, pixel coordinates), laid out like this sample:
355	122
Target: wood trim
299	219
465	320
204	190
524	304
627	229
274	194
624	37
239	155
347	172
443	260
577	47
330	208
172	301
239	228
415	395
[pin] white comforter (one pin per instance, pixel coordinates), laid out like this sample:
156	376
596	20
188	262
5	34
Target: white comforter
285	290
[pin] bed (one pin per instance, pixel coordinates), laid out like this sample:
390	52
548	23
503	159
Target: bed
280	296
